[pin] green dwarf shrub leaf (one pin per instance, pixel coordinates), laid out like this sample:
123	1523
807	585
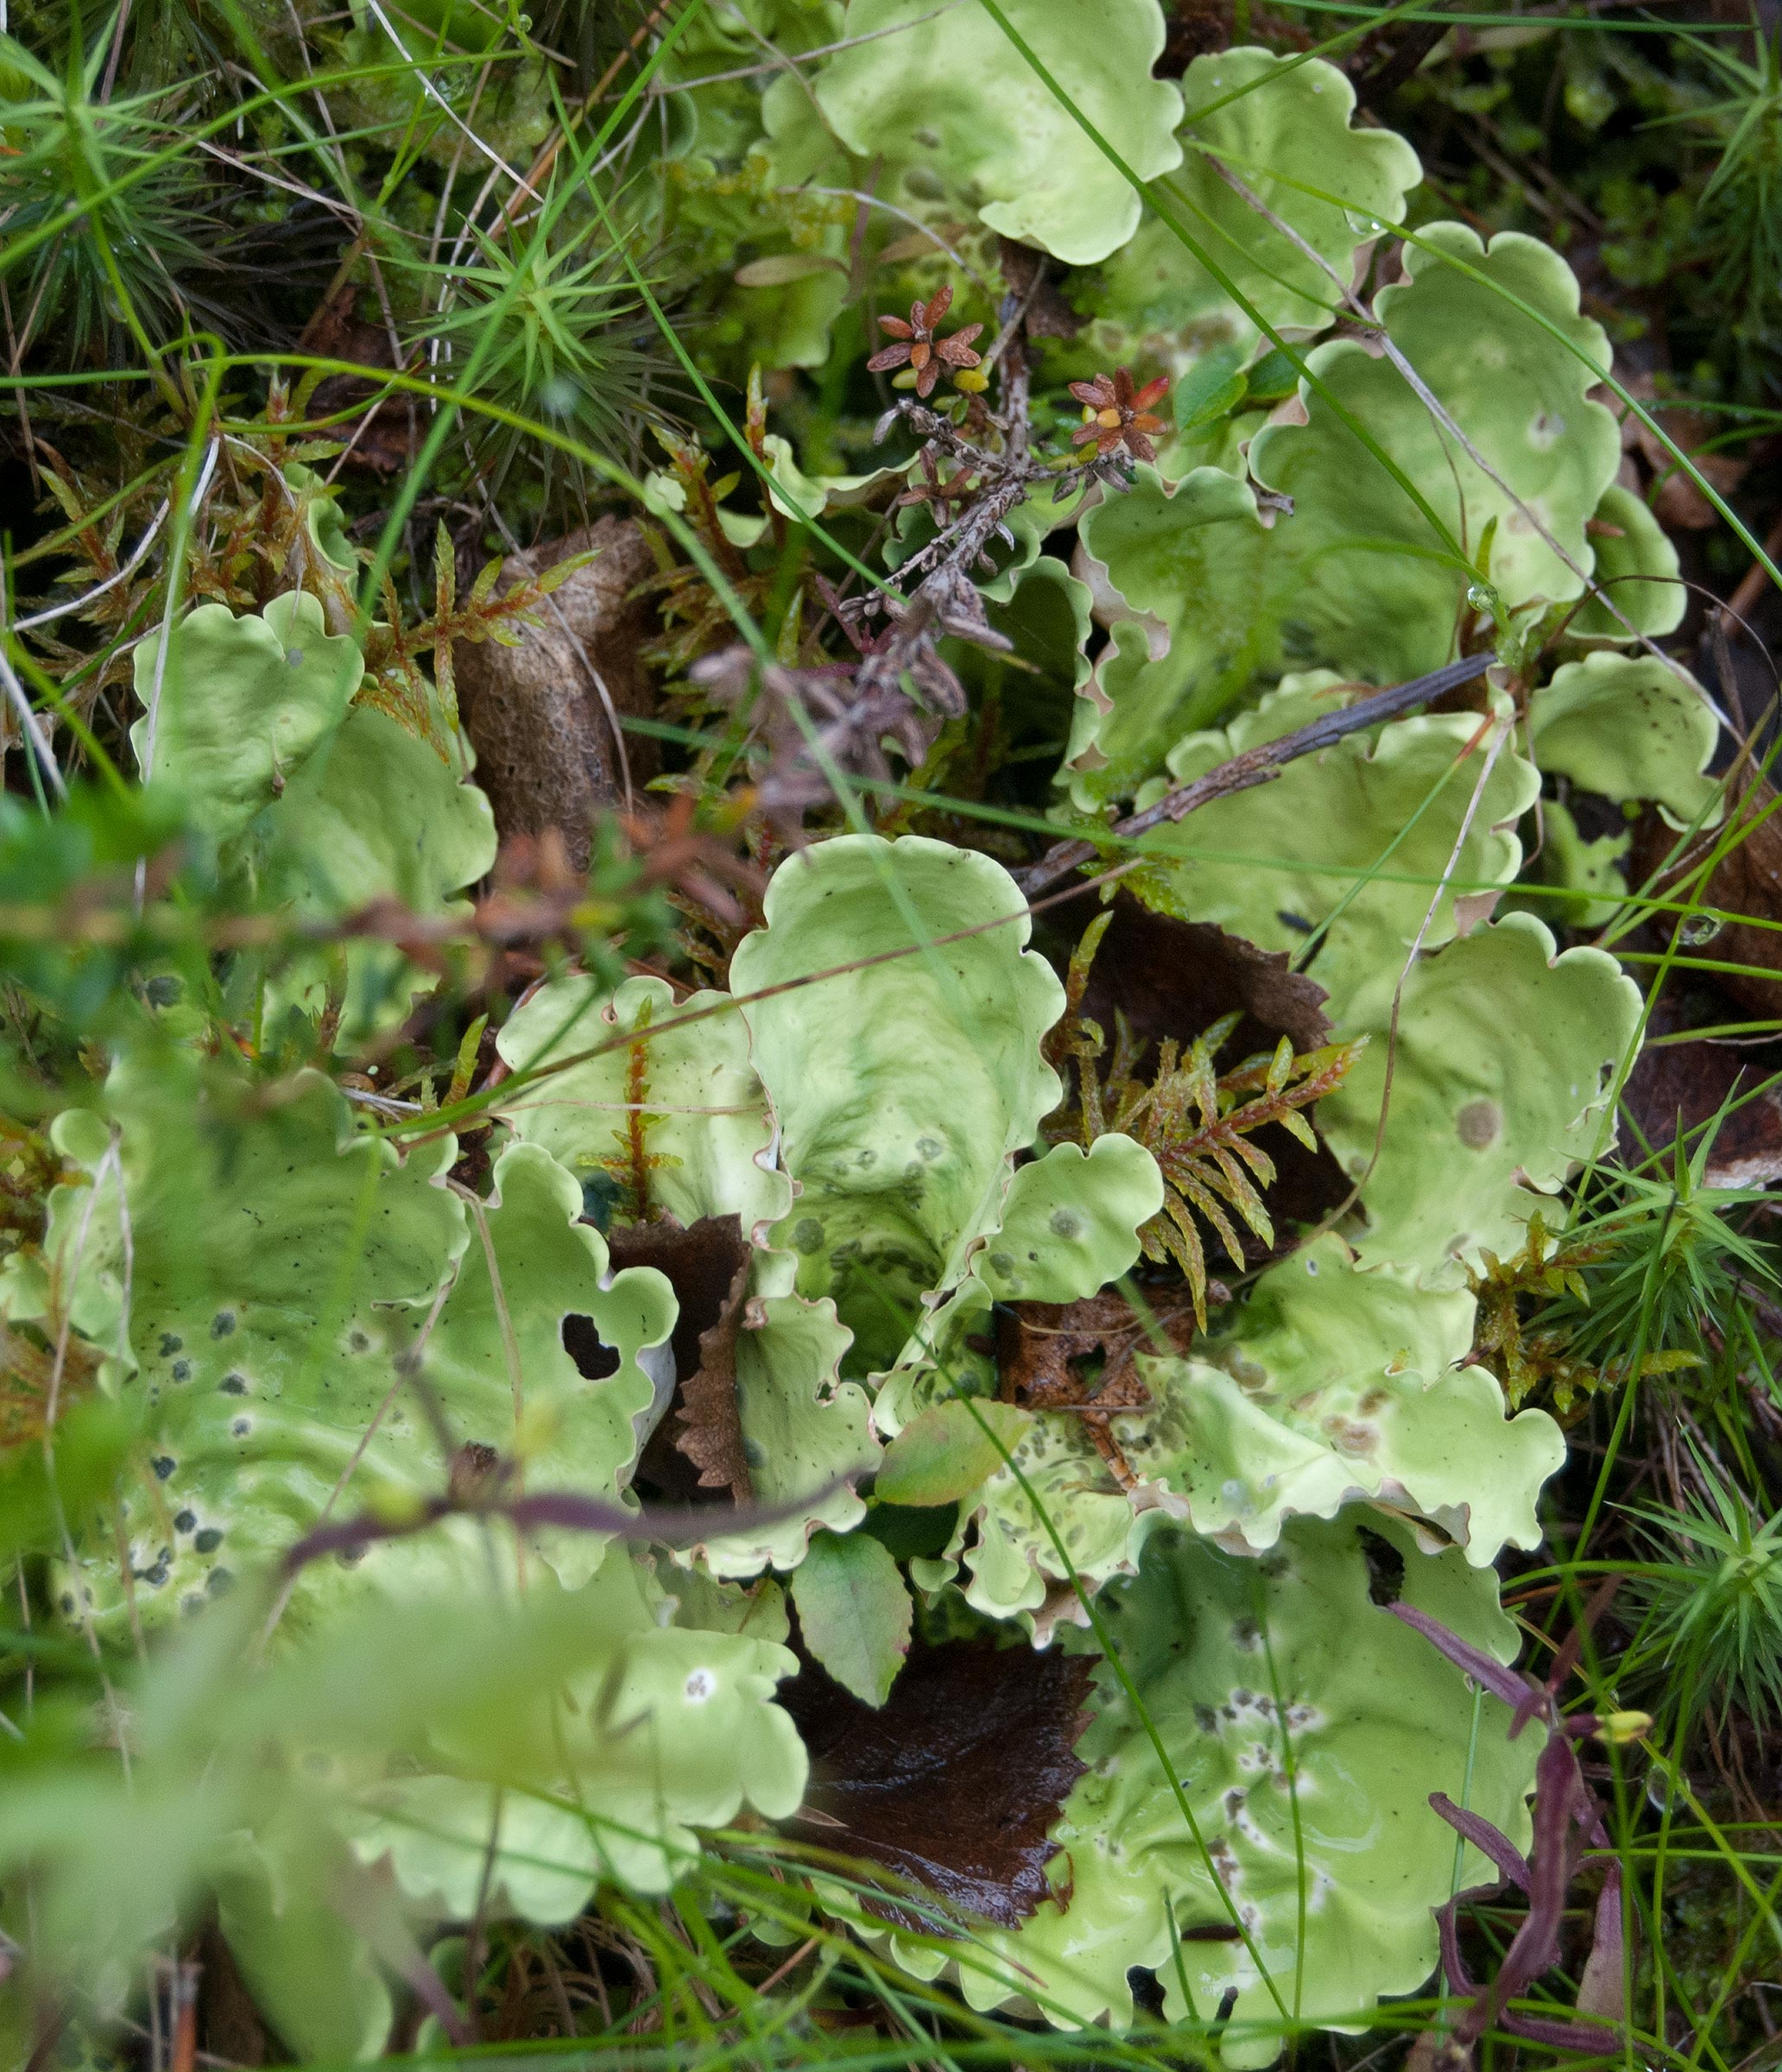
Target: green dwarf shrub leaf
948	1450
311	1973
853	1611
953	109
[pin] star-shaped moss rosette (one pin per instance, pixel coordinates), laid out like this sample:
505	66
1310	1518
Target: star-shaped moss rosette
918	345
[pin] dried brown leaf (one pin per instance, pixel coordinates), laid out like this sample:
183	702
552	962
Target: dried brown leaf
707	1263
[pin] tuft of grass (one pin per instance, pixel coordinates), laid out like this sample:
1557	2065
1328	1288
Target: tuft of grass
564	336
1712	1603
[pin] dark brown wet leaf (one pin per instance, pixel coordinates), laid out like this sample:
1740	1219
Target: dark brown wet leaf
1177	978
955	1782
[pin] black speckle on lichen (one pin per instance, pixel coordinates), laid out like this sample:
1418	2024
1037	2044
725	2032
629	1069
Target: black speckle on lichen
184	1521
222	1323
234	1385
209	1540
163	1465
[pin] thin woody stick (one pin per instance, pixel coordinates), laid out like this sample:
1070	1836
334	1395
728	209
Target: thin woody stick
1258	765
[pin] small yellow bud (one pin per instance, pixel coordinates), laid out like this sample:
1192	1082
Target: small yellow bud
1617	1727
391	1504
973	380
907	379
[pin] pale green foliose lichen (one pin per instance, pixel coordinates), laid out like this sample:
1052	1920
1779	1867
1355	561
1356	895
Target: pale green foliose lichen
1398	524
951	107
318	806
1283	128
266	1285
1305	1727
259	1279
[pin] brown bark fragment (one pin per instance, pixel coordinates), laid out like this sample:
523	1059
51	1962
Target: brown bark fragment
546	751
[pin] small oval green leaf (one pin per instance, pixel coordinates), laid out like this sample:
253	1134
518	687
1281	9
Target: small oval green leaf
946	1453
853	1611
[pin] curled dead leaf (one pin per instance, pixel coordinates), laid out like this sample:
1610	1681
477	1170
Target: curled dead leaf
707	1263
